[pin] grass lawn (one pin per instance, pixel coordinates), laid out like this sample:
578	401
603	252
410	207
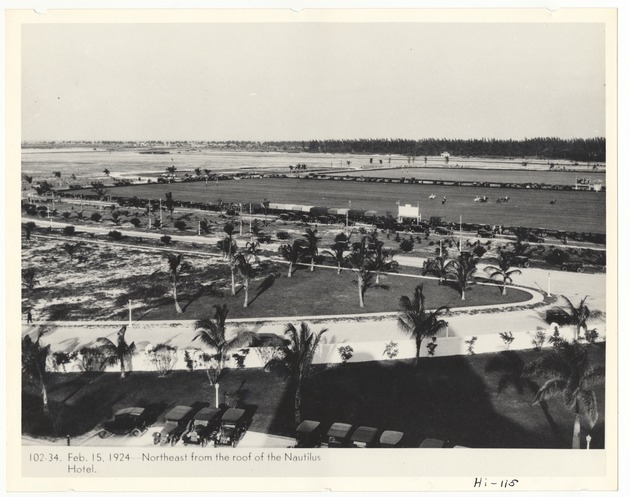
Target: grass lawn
323	292
449	398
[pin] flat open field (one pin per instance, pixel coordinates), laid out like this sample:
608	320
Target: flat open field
481	175
574	211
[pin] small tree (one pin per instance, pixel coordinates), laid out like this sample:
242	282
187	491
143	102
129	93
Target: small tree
391	350
292	253
462	271
504	270
135	222
119	352
471	345
180	225
162	356
68	230
115	235
539	340
338	250
310	246
28	278
176	268
34	358
166	240
345	352
431	346
507	337
170	204
96	217
29	227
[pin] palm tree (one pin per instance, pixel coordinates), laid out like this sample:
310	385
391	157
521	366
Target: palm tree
244	264
29	227
211	332
338	249
120	352
462	270
416	321
576	316
28	278
360	262
382	260
176	267
291	253
310	247
437	266
299	350
569	376
34	358
503	270
106	172
229	250
71	249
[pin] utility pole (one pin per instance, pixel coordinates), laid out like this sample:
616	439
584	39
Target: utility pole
460	233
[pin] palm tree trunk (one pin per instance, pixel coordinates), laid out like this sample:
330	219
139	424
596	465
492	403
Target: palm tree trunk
463	294
360	285
290	269
338	267
123	372
178	308
312	263
418	344
233	281
576	429
44	395
378	276
246	285
298	402
504	291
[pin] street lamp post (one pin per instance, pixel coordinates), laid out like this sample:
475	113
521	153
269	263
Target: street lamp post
199	227
440	247
548	284
588	442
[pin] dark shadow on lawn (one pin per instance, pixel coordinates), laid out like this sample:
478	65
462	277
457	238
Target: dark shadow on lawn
265	285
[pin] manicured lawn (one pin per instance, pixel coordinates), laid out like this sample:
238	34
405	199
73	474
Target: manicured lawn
449	398
323	292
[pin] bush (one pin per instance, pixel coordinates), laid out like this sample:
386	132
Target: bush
431	346
166	239
162	356
180	225
345	352
60	359
591	336
391	349
555	339
89	359
135	222
96	217
557	256
406	245
239	358
471	345
283	235
539	340
190	363
115	235
68	230
507	338
66	214
479	250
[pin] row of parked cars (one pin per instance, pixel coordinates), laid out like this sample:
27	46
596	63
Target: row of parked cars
185	423
310	434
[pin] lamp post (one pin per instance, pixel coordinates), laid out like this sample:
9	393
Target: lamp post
199	227
440	247
418	216
348	213
548	284
588	441
216	395
460	233
240	219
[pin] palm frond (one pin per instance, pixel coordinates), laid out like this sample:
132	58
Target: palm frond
550	388
588	405
242	339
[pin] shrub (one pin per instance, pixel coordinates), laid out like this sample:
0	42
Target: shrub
60	359
89	359
406	245
239	358
479	250
162	356
557	256
205	226
431	346
345	352
115	235
471	345
555	339
180	225
539	340
391	349
68	230
166	239
96	217
591	336
283	235
397	238
135	222
190	363
507	338
66	214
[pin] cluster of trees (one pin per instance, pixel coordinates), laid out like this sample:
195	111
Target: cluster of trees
579	149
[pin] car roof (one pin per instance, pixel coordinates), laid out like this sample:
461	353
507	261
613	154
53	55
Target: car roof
307	426
207	414
339	430
432	443
178	413
390	437
233	415
136	411
364	434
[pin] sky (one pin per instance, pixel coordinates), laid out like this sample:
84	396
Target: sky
290	81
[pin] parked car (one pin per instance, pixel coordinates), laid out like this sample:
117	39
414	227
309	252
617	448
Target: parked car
364	437
390	439
125	421
177	422
339	435
572	266
521	261
533	237
308	434
233	426
485	233
432	443
204	427
441	230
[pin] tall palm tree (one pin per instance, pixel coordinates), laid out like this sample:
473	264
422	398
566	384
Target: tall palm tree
292	253
34	358
244	262
176	267
212	333
569	376
299	350
576	316
229	250
120	352
437	266
504	270
462	270
310	247
382	260
338	250
416	321
360	261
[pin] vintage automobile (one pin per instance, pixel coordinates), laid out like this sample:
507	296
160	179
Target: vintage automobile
521	261
572	266
308	434
364	437
177	421
441	230
432	443
391	439
125	421
535	238
204	427
339	435
233	426
483	233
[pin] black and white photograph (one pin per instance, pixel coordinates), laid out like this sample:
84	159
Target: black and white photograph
244	237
